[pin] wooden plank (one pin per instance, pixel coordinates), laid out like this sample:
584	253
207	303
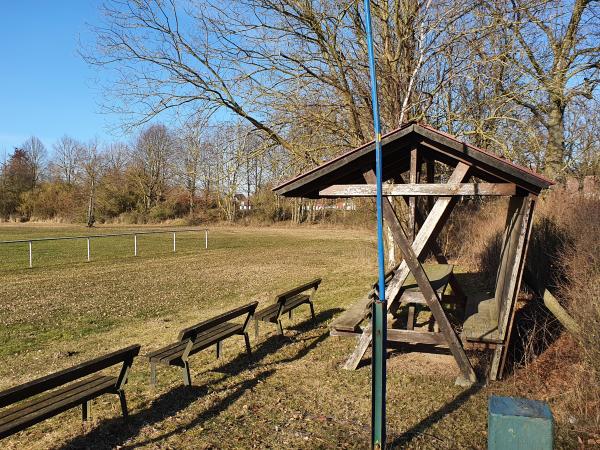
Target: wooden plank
350	319
189	332
515	282
423	189
416	337
54	380
361	347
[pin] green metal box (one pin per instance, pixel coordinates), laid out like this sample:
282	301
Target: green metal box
519	424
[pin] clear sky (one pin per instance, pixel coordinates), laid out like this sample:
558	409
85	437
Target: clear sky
46	89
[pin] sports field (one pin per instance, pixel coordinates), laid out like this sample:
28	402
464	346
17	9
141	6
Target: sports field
289	394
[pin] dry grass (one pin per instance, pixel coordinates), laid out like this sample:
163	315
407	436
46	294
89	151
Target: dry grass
289	394
563	256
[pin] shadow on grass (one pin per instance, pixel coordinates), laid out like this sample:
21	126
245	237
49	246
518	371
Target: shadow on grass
421	427
275	342
117	431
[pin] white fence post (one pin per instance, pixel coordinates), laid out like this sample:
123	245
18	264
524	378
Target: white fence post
88	249
135	245
30	255
174	243
206	238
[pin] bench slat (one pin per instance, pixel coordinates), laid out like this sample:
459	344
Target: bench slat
299	289
207	341
54	403
47	399
350	319
270	312
189	332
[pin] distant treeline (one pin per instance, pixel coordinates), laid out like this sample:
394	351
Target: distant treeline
197	173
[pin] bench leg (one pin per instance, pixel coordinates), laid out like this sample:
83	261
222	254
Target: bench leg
312	311
255	328
123	401
290	315
410	321
219	348
153	374
187	378
247	339
86	408
280	327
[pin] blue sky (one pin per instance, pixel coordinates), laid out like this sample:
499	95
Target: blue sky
46	89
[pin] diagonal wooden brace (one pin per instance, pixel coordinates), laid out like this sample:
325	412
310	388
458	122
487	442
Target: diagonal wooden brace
428	230
432	300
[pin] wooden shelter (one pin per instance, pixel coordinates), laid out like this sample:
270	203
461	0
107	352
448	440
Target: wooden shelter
414	149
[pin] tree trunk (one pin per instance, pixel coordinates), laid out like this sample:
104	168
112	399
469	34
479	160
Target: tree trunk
90	216
555	150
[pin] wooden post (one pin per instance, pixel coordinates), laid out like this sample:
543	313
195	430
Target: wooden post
429	178
415	175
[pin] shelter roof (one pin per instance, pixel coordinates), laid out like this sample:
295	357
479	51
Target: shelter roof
349	167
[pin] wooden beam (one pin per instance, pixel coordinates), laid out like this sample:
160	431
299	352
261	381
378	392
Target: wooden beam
430	179
412	190
416	337
361	347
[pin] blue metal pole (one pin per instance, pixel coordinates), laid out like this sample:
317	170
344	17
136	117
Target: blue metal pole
379	313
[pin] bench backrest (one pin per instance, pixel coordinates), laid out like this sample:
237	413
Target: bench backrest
283	297
194	330
65	376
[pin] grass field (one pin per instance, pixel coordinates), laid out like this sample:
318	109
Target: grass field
289	394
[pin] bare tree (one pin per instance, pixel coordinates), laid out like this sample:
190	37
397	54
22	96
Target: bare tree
92	168
294	70
67	151
37	154
152	160
191	156
555	47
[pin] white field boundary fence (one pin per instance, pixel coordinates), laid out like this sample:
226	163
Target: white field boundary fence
30	242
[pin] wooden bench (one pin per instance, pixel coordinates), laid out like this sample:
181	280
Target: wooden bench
349	321
198	337
286	303
31	408
440	275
